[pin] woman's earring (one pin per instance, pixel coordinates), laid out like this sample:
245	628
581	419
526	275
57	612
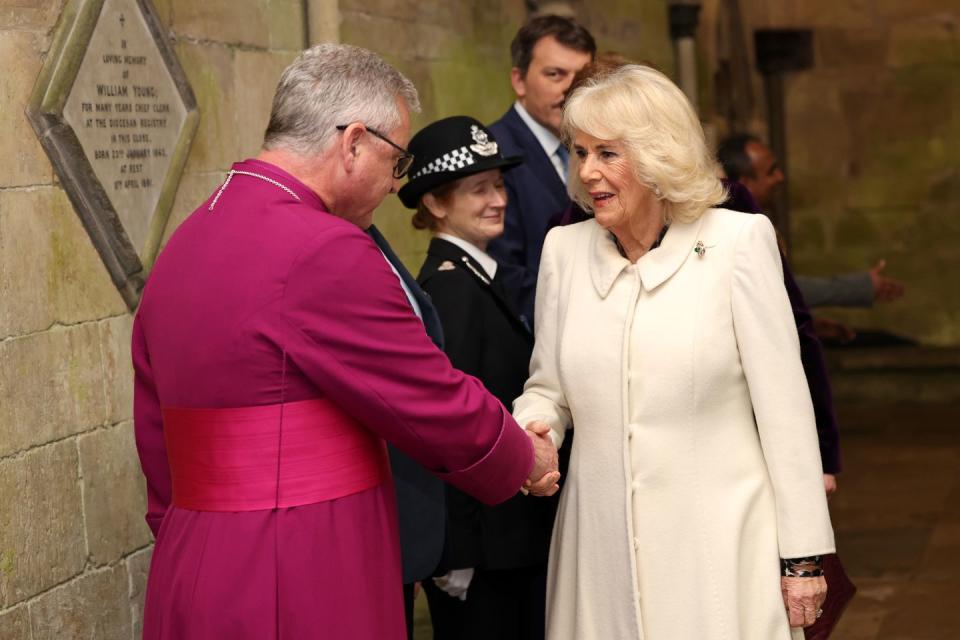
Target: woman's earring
657	192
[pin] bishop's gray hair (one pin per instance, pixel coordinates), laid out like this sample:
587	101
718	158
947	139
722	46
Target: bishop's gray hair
330	85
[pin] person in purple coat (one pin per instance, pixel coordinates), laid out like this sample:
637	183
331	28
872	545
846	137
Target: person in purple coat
275	351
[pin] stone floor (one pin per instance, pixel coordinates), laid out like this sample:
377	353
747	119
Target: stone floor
897	519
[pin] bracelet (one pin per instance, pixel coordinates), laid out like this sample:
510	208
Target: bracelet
809	567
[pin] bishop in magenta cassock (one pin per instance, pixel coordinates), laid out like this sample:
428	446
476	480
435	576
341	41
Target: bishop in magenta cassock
275	352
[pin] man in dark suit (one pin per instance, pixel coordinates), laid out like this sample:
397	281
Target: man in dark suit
546	54
420	496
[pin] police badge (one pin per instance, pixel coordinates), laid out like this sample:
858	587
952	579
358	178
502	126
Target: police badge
484	146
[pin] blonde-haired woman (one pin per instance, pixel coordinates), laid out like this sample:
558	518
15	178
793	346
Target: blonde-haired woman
694	492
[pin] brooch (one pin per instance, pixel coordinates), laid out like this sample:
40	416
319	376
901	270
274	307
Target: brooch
446	265
700	249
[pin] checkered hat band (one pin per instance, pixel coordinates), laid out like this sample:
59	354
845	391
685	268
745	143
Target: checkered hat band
450	161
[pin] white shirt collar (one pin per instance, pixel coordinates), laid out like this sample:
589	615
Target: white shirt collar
482	257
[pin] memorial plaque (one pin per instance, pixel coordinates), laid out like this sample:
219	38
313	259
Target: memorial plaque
115	114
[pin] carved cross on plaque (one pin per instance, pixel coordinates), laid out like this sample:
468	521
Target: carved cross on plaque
114	112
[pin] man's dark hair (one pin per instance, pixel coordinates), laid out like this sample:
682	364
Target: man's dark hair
567	32
732	155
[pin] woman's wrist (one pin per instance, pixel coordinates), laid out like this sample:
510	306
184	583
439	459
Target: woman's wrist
808	567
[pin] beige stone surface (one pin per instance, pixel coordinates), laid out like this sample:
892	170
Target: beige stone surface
932	39
37	15
323	20
635	29
114	493
257	74
895	10
401	9
209	69
117	367
841	47
52	387
138	568
236	22
164	9
397	38
49	270
22	159
92	606
15	624
41	527
816	13
285	20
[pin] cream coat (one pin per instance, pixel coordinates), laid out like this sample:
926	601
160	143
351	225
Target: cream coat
677	504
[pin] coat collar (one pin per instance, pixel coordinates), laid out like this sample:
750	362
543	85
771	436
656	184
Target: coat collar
654	267
444	250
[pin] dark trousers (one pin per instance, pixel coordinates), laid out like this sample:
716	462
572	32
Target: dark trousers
408	608
509	604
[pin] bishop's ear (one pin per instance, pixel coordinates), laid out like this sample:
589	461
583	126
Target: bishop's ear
349	146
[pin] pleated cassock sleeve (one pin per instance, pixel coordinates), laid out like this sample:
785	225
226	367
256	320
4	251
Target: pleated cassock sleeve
148	429
543	397
770	356
345	324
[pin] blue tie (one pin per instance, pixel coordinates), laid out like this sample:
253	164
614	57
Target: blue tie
564	156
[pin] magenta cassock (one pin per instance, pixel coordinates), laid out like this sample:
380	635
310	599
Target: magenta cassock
268	299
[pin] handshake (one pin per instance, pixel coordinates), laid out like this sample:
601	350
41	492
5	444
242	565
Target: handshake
544	476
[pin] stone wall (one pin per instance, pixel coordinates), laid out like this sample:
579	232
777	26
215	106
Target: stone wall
74	550
873	163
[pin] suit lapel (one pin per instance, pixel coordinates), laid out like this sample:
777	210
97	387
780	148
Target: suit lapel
431	321
533	153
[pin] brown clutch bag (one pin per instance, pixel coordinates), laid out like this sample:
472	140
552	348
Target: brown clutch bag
839	594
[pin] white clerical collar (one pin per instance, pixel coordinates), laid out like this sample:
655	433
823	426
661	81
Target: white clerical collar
544	136
482	257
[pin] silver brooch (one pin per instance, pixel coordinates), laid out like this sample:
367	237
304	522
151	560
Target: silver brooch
700	250
484	145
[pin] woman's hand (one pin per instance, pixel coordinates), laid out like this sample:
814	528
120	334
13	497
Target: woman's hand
803	598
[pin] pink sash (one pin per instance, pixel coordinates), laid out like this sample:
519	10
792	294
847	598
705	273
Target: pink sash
240	459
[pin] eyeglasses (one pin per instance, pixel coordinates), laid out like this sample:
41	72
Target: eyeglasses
403	162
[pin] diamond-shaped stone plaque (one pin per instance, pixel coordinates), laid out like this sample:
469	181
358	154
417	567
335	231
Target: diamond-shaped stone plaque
114	112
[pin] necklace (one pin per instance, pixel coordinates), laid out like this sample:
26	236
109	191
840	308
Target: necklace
656	243
233	172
